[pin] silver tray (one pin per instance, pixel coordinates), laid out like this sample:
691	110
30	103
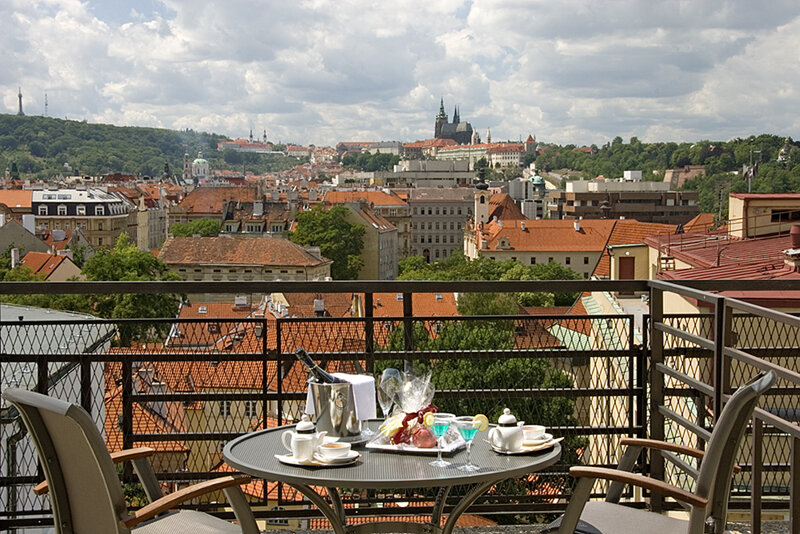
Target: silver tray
452	443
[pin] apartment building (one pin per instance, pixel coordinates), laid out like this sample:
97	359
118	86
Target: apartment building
438	217
607	199
100	215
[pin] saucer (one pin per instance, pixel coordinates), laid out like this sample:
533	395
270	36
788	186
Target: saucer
317	461
347	458
527	449
534	442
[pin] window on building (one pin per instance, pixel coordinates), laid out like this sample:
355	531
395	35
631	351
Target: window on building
437	211
586	260
533	261
99	210
568	260
99	241
549	259
42	210
785	215
80	210
459	211
250	408
430	211
586	276
62	210
437	252
225	408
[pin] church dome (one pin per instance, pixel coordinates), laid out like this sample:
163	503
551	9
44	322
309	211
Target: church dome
200	160
537	180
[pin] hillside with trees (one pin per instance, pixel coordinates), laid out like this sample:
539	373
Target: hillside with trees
44	147
723	161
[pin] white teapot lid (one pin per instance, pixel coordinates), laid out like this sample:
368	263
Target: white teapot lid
305	426
507	419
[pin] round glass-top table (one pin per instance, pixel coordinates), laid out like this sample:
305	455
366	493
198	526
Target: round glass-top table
254	454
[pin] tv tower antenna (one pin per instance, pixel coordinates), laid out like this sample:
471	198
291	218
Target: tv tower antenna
45	104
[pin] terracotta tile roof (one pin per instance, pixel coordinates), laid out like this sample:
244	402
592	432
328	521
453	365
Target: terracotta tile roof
430	143
208	200
42	262
224	250
377	221
701	223
145	421
506	148
719	249
549	235
378	198
504	208
47	237
302	304
16	198
423	305
629	232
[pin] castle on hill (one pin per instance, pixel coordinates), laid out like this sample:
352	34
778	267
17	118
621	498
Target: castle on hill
460	132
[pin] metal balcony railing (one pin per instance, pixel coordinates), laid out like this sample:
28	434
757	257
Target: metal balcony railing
186	386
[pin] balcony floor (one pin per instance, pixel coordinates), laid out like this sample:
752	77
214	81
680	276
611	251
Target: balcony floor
767	527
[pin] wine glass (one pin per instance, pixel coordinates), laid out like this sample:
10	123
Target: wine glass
468	426
390	383
441	422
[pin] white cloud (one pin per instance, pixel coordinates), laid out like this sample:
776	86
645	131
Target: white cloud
318	71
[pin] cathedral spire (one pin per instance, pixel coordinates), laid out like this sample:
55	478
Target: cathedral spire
455	115
441	114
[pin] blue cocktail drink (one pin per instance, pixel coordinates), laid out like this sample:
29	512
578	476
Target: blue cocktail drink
441	422
468	426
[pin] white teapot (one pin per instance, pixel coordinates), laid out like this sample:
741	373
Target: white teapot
507	435
304	441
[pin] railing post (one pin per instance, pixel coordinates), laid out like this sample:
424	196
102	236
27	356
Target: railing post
279	370
86	383
722	330
408	329
656	390
369	333
41	374
633	357
127	403
794	489
641	373
755	476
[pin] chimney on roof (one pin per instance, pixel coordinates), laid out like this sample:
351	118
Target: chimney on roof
577	225
522	225
14	257
319	307
791	257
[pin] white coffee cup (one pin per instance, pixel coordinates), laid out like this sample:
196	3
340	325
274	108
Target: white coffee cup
333	450
301	447
533	432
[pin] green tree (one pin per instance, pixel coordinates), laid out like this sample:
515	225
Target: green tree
205	227
125	262
338	239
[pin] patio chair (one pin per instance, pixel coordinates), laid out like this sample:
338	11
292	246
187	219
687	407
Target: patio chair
85	490
707	505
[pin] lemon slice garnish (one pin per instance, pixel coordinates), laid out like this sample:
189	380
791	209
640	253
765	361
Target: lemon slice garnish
428	419
481	422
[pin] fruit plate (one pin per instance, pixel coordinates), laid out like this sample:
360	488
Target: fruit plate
452	443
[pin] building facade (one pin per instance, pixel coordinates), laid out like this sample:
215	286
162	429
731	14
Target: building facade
101	216
438	217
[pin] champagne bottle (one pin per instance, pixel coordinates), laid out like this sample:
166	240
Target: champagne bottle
320	374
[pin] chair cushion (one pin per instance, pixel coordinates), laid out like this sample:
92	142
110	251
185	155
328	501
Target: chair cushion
600	517
189	522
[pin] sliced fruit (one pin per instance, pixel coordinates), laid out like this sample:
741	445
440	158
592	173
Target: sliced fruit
481	422
428	419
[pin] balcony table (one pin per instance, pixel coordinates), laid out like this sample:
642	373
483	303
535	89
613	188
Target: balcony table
254	454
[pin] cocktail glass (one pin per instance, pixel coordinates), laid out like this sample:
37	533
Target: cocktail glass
388	386
441	422
467	427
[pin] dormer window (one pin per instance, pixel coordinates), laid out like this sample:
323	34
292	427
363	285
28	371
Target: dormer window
502	243
99	210
62	210
80	210
42	210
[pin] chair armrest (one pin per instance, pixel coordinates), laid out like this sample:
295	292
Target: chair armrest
118	457
126	455
671	447
641	481
170	501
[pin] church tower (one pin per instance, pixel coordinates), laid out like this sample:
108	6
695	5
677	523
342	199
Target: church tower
20	113
441	120
482	196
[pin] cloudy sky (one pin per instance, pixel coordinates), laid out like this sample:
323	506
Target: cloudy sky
317	71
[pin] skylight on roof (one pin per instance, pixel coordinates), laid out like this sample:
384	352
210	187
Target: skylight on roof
202	309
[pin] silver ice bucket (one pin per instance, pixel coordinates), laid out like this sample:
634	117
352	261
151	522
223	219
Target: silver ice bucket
335	411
